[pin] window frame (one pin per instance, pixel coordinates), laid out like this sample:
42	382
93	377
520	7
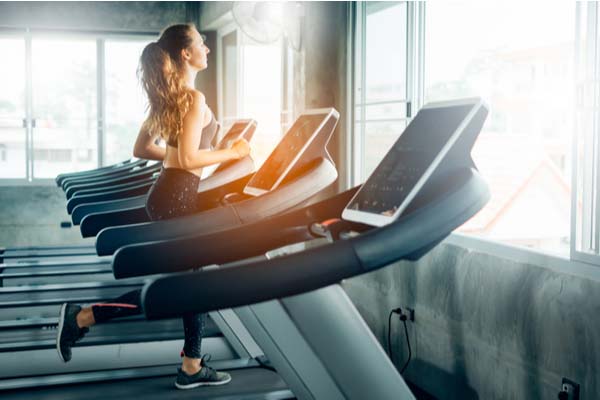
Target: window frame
587	64
576	262
225	26
100	36
356	61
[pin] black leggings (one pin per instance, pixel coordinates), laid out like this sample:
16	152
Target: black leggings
174	194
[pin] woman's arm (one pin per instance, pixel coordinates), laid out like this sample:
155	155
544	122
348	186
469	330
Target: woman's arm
189	155
145	146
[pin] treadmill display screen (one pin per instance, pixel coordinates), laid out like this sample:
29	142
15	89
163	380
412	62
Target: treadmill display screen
408	159
285	153
232	134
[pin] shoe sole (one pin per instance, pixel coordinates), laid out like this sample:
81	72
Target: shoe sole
198	384
61	321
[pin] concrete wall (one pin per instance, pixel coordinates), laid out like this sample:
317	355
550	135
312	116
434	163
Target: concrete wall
150	16
323	70
206	81
31	215
487	327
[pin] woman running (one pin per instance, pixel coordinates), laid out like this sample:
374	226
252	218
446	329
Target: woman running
178	114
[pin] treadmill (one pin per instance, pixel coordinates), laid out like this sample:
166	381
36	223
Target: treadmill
291	302
297	170
232	170
225	172
138	183
298	181
438	191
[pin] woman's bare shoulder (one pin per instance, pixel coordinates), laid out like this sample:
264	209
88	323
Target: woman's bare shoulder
198	98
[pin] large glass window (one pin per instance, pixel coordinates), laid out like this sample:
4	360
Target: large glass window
64	106
585	243
262	94
126	102
522	63
251	86
13	135
380	81
228	79
63	96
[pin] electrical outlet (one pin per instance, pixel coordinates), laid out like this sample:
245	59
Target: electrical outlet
569	389
409	312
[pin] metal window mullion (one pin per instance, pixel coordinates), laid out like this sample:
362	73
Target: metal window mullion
587	137
590	148
410	52
363	91
350	95
239	43
385	102
596	138
101	99
28	107
368	121
420	96
579	107
220	66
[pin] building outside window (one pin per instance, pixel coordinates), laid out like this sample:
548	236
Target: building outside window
526	76
52	114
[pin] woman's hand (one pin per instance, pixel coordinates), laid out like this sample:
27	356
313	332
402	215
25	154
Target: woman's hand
241	147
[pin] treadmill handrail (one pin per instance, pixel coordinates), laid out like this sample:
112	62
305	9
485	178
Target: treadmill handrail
119	186
128	164
257	281
233	171
95	222
125	169
306	185
136	190
142	173
180	254
64	175
83	210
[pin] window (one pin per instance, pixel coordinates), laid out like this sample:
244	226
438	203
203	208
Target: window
228	75
125	100
585	245
261	81
250	85
543	92
13	135
52	114
526	77
381	92
65	118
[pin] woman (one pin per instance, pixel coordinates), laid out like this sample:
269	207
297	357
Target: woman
178	114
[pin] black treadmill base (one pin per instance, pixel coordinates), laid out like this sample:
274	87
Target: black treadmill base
246	383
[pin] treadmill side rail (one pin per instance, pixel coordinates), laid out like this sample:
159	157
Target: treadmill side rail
255	281
284	198
238	243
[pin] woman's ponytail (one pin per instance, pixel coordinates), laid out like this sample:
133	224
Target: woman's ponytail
168	99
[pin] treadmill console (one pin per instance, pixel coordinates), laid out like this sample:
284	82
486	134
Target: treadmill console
240	129
410	162
288	151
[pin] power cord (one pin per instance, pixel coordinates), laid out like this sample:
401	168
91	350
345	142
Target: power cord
403	318
394	311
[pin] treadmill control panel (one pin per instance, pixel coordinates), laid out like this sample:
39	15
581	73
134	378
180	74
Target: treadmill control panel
234	133
282	158
408	159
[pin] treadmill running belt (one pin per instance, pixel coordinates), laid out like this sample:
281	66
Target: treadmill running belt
247	383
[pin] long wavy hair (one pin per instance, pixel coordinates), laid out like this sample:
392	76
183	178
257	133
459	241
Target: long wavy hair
161	73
